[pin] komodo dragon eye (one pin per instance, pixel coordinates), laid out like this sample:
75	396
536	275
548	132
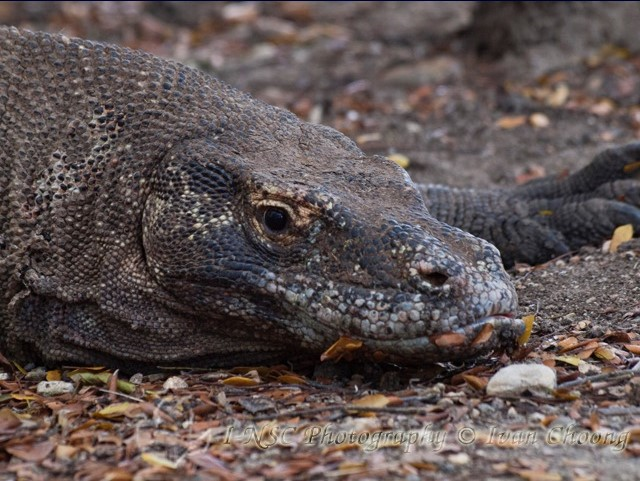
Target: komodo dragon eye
275	219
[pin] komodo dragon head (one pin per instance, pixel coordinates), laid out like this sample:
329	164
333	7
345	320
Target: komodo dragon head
297	241
175	220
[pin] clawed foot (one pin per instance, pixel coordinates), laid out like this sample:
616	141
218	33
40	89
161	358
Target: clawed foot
554	216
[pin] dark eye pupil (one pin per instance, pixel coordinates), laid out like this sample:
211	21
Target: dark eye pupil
275	219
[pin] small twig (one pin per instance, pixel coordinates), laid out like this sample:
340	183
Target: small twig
121	394
614	376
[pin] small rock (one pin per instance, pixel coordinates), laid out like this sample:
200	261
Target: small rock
137	378
539	120
459	459
37	374
175	383
4	376
54	388
517	378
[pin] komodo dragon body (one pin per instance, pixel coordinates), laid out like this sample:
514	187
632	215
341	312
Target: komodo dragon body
152	215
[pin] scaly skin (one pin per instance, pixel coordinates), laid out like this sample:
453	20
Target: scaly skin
151	215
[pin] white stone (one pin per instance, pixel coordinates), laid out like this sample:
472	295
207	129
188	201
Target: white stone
517	378
175	382
54	388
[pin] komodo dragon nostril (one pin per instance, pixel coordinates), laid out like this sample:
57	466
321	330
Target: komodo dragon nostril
435	278
431	274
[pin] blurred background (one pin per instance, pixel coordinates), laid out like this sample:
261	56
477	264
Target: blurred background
465	93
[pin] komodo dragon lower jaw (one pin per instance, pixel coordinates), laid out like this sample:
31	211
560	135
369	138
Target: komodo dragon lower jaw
483	336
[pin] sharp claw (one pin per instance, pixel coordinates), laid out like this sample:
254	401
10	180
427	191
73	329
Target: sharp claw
621	214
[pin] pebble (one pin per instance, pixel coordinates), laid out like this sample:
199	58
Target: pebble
54	388
517	378
174	383
37	374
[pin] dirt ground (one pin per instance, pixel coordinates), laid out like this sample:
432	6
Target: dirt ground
399	79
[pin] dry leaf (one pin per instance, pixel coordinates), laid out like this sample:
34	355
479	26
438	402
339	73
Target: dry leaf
64	452
622	234
340	348
55	375
573	360
511	122
604	353
8	420
475	382
484	335
240	381
632	348
118	410
291	379
373	401
568	344
528	320
160	461
91	378
449	339
401	160
535	475
34	452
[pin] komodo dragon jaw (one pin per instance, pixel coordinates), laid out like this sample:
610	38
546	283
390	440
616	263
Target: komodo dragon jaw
316	255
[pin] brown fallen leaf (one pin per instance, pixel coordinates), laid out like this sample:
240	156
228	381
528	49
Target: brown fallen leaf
511	122
479	383
604	353
8	420
375	401
55	375
159	461
568	344
340	348
34	452
449	339
535	475
632	348
400	159
240	381
484	335
118	410
529	320
291	379
573	360
622	234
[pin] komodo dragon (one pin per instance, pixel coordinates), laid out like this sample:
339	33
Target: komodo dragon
152	215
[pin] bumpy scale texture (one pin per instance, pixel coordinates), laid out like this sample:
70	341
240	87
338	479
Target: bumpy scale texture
152	215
